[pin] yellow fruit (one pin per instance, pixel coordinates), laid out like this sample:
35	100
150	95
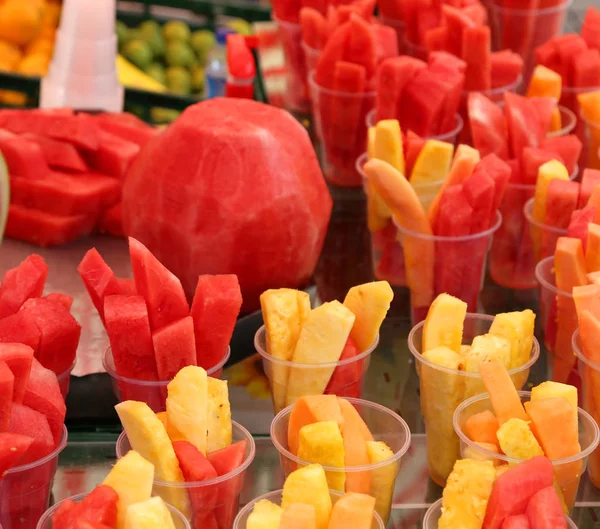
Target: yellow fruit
283	312
444	323
149	514
173	434
382	478
369	303
485	348
47	32
322	443
265	515
517	440
388	144
545	83
218	416
554	390
501	469
187	405
131	478
517	328
34	65
10	55
41	46
51	16
474	453
20	22
309	485
322	339
299	516
546	173
433	162
466	495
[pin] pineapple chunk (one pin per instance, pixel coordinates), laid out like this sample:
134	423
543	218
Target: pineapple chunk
388	144
284	311
322	442
517	328
432	163
473	453
546	173
219	416
501	469
553	390
149	514
464	350
187	405
485	348
147	435
173	434
517	440
383	478
466	495
369	303
444	323
309	485
322	339
131	478
265	515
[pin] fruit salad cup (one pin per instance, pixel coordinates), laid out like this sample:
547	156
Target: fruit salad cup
25	490
442	390
212	499
567	471
434	513
384	424
46	520
353	368
152	392
276	497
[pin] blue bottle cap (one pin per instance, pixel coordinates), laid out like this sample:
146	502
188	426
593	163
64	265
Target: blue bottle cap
222	35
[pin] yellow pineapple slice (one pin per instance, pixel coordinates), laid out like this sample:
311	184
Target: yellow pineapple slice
309	485
517	328
474	453
131	478
173	434
485	348
265	515
383	478
466	151
444	323
149	514
284	311
517	440
464	350
546	173
433	162
554	390
219	416
369	303
187	405
388	144
322	340
147	435
466	495
322	442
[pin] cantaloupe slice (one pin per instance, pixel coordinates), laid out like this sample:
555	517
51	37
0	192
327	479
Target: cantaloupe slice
371	143
311	409
569	264
309	485
545	83
485	348
444	323
355	434
353	510
590	105
419	254
594	277
592	250
503	395
383	478
589	335
433	163
482	427
587	297
298	516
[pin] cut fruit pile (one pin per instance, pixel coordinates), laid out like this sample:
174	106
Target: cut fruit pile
191	442
122	501
289	10
324	335
508	341
590	111
465	205
66	171
152	330
479	496
328	430
306	503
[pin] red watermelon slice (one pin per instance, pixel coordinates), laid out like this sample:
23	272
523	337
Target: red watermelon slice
100	506
195	467
25	281
216	306
393	75
59	154
174	348
589	29
488	126
111	221
561	202
18	328
532	158
7	386
114	155
334	51
422	105
524	126
414	144
476	46
66	515
28	422
589	180
567	147
506	68
62	299
545	511
578	227
12	448
18	357
501	172
23	157
519	521
346	380
479	189
127	286
126	129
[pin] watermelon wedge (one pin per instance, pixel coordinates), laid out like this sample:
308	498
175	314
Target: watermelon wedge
506	68
12	448
174	348
578	227
100	506
18	328
59	154
126	129
589	29
413	145
567	147
393	75
346	380
334	51
532	158
111	221
7	385
479	189
561	202
31	423
23	157
500	172
62	299
458	25
488	126
524	126
25	281
422	105
476	46
114	155
195	467
18	357
545	511
589	180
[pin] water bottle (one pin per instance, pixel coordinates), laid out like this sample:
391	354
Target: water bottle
216	66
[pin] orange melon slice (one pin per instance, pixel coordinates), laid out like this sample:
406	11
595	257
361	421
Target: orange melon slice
482	427
299	516
505	399
353	510
587	297
592	251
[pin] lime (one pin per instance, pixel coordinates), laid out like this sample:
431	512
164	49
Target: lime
4	196
157	71
122	32
176	30
150	33
179	54
179	80
139	53
149	27
202	42
197	79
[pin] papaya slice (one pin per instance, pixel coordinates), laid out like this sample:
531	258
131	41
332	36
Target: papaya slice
505	399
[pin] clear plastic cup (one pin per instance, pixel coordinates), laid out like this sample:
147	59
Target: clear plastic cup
568	121
567	470
354	370
311	56
25	490
454	265
152	392
217	498
384	424
64	380
434	513
512	257
442	390
558	319
297	96
339	119
276	497
46	520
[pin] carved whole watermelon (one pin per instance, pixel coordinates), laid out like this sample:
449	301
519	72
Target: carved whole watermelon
233	186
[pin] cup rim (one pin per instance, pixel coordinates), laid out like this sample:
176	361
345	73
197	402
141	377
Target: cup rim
273	494
579	89
355	468
52	455
531	187
510	87
539	275
337	93
528	212
578	351
370	121
153	383
527	12
565	129
310	49
290	363
502	457
209	482
455	238
534	355
78	497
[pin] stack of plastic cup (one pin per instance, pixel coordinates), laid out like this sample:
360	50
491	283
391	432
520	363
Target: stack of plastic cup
83	73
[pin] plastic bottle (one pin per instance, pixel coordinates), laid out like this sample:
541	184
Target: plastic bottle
216	66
